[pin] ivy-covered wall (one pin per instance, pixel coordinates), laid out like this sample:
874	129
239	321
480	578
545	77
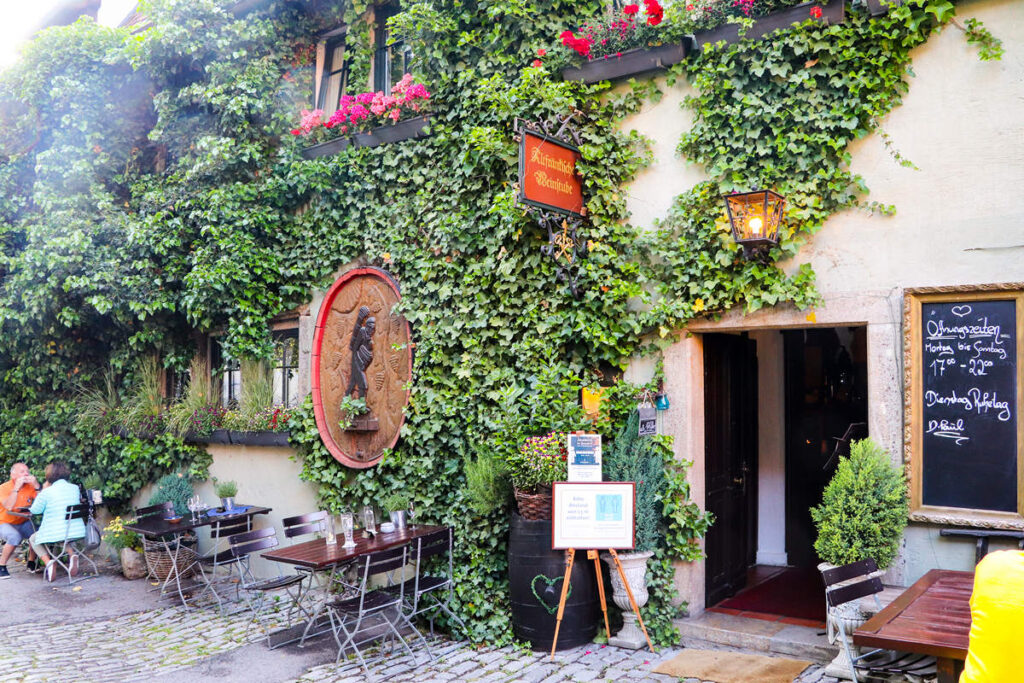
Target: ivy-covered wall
150	189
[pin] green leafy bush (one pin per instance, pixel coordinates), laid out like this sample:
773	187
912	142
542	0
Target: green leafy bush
394	502
488	487
864	508
176	488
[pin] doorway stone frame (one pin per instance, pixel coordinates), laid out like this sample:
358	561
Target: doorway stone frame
880	311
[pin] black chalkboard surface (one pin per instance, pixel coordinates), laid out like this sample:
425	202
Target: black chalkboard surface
969	412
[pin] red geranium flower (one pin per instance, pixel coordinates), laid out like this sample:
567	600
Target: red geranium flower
630	10
541	52
816	12
537	63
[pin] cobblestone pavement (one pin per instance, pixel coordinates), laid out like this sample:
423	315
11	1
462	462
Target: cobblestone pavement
131	647
144	645
459	663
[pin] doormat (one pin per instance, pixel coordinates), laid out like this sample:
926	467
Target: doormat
731	667
797	592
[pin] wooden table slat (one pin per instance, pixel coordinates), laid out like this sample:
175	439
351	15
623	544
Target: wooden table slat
931	617
316	554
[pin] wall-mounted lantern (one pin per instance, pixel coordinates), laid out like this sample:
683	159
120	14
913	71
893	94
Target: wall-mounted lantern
755	218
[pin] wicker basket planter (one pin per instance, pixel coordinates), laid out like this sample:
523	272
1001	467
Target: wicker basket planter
161	562
534	505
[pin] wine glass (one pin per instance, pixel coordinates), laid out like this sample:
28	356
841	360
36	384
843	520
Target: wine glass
193	506
412	514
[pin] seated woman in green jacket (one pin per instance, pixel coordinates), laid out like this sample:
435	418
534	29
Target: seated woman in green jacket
52	503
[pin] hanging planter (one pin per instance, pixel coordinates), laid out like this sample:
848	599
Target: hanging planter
259	438
830	13
631	63
409	129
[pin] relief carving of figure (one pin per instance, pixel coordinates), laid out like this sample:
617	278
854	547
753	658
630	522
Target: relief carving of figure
361	347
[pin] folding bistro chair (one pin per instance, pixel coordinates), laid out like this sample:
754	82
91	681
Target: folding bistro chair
844	585
351	617
224	558
424	593
255	591
305	525
76	545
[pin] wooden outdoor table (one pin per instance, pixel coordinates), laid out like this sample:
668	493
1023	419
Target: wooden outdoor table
932	617
316	555
158	528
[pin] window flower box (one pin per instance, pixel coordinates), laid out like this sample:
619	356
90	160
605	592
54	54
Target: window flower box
217	436
259	438
408	129
631	63
832	12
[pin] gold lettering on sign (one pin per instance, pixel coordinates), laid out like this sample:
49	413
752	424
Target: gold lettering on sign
544	180
548	161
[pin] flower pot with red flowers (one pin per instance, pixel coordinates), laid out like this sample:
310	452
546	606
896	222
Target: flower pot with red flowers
539	462
368	119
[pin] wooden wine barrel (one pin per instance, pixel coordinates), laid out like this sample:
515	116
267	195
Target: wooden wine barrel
535	575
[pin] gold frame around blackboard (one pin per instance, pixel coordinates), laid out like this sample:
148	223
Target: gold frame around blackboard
912	407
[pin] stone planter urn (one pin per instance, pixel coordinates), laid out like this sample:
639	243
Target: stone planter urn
634	566
133	564
851	617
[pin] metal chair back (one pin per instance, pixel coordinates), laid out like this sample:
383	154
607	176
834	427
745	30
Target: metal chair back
301	525
244	544
230	527
159	509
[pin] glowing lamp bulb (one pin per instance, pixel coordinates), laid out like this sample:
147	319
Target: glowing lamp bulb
755	224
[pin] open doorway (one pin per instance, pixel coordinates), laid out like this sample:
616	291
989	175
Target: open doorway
806	424
826	406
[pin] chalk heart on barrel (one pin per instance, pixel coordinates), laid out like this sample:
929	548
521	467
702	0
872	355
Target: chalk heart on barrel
549	596
961	311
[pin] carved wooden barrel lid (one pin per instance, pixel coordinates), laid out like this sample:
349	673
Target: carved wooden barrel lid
361	344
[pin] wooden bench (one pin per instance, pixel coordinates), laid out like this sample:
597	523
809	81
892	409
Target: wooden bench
982	537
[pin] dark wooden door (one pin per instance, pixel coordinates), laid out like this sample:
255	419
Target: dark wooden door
730	461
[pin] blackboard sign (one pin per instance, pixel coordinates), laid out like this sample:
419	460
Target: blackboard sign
965	395
969	373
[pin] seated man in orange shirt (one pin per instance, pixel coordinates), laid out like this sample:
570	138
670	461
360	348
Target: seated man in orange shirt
997	619
19	492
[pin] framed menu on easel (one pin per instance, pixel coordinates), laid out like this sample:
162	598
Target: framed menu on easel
593	515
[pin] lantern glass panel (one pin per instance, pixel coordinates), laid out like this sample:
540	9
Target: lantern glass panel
755	217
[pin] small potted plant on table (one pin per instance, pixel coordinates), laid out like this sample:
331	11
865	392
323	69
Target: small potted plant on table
397	505
226	491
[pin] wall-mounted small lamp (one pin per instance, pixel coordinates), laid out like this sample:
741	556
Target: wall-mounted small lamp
755	218
661	400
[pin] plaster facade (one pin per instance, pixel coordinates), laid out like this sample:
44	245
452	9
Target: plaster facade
958	222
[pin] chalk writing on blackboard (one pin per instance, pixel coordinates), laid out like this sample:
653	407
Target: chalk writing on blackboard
968	399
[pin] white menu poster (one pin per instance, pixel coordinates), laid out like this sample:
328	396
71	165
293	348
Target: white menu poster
584	455
592	515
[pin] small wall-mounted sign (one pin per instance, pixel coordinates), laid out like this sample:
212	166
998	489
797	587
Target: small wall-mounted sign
547	173
592	515
584	455
648	420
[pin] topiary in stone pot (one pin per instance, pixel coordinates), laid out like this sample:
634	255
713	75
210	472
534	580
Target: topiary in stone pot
864	508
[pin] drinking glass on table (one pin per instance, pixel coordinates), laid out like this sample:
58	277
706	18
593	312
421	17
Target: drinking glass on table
369	523
412	514
347	527
193	506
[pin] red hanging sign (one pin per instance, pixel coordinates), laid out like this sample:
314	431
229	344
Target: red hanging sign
547	174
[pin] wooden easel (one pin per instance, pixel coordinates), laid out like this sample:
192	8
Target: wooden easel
592	555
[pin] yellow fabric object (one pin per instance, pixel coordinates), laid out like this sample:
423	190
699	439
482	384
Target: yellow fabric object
997	620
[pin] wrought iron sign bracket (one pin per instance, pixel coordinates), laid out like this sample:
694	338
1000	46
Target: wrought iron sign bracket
560	219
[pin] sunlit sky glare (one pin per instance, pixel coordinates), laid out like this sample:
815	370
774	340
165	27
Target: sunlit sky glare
19	18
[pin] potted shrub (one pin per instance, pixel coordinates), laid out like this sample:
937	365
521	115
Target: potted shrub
397	505
128	545
863	510
862	515
539	462
175	488
226	491
635	458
